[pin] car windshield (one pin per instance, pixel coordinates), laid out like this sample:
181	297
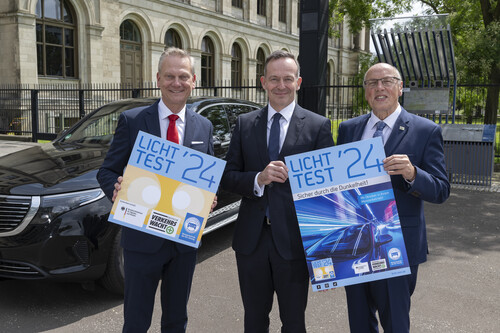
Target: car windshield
346	243
99	128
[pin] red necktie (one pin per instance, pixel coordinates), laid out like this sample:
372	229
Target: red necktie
172	134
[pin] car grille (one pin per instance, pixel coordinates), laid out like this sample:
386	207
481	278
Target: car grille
13	211
81	250
18	270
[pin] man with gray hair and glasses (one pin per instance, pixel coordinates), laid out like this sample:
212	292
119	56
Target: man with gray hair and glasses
415	162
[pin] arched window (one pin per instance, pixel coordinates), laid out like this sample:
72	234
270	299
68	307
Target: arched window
172	38
298	13
207	62
328	78
56	38
130	32
130	53
282	11
328	81
236	65
259	71
261	7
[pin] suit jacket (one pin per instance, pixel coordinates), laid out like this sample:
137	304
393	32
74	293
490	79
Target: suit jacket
197	128
422	141
247	156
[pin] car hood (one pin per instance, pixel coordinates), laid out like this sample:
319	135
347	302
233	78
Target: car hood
51	168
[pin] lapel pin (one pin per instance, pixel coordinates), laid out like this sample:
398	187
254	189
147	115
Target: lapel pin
401	128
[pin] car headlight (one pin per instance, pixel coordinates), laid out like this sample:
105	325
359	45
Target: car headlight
53	205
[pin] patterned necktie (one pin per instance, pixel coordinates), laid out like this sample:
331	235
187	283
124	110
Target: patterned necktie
172	134
274	138
380	129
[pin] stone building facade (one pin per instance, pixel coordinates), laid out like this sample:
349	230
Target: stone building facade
113	41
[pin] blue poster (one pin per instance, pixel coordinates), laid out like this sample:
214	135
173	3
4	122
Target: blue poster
347	215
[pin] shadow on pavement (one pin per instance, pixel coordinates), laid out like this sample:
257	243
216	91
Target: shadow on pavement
35	306
215	242
466	223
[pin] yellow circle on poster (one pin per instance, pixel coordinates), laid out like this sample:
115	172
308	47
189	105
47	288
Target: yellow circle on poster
187	198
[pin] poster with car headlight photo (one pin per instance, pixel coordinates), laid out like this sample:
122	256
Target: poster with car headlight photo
347	215
167	190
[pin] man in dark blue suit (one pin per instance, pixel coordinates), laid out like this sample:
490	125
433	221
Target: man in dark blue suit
147	258
269	251
415	162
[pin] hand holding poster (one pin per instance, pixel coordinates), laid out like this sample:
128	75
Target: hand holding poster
167	190
347	215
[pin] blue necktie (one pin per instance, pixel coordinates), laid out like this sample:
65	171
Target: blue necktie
380	129
274	138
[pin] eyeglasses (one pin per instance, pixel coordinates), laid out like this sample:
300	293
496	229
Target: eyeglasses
386	82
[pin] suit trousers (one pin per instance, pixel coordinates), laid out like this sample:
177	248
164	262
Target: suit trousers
390	297
143	272
264	272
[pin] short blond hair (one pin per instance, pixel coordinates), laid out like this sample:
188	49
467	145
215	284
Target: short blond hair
175	51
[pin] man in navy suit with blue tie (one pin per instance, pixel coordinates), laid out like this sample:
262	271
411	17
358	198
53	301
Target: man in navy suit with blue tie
269	252
415	162
147	258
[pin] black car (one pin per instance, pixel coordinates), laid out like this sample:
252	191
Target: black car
53	214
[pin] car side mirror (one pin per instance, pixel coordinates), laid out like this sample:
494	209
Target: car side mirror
383	239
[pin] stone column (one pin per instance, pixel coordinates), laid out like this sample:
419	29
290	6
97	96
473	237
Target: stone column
94	55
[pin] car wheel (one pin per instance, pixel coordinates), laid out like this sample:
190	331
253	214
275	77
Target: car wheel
113	278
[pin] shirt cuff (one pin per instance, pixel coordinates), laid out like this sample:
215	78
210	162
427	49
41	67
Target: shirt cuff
258	190
413	181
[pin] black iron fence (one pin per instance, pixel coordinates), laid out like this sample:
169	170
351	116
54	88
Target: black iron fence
53	108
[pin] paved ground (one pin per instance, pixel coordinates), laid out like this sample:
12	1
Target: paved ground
457	291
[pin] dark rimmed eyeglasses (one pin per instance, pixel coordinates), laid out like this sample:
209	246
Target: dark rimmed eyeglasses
386	82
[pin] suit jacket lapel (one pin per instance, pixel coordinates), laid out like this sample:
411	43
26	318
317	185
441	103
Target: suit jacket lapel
189	128
360	127
296	124
260	130
153	120
401	127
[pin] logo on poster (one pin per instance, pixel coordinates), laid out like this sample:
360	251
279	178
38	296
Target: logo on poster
378	265
163	223
394	253
395	257
192	225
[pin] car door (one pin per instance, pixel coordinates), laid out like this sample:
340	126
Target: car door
234	110
221	133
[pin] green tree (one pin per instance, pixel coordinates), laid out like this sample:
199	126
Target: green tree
475	26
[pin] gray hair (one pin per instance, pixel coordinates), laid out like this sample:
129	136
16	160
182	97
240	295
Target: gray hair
174	51
278	55
385	65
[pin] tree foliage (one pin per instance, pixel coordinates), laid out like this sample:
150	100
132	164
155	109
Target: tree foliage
475	26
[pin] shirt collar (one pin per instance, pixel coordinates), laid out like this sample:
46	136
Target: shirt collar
165	111
389	121
286	112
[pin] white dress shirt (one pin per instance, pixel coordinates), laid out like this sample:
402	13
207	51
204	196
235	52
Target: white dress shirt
163	113
371	125
286	116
